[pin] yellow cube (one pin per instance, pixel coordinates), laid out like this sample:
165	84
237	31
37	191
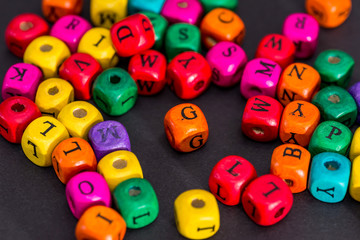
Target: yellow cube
119	166
52	95
354	185
355	145
197	214
79	117
97	43
41	137
47	53
104	13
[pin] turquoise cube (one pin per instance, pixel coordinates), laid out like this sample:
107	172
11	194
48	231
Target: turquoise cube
329	177
160	25
135	6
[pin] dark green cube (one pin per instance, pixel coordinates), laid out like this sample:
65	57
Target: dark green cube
211	4
160	25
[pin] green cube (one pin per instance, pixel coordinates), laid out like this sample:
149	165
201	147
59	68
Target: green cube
182	37
211	4
335	68
160	25
115	92
335	103
137	203
330	136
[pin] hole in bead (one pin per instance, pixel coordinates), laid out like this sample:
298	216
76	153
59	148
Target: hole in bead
334	60
279	213
46	48
255	91
53	91
170	136
120	164
332	165
17	107
289	182
258	131
24	26
134	191
334	98
183	4
79	113
115	79
199	85
198	203
211	41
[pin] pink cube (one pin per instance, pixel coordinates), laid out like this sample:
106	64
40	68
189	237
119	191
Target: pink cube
227	61
85	190
22	79
186	11
260	77
303	30
70	29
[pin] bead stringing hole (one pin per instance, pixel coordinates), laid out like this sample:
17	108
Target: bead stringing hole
334	60
198	203
279	213
199	85
79	113
119	164
255	90
183	4
53	91
334	98
258	131
289	182
332	165
115	79
17	107
24	26
46	48
134	191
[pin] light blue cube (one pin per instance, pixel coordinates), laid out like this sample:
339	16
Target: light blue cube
135	6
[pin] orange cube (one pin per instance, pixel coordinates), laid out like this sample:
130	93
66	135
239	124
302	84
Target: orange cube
298	81
55	9
72	156
221	24
291	163
186	127
298	122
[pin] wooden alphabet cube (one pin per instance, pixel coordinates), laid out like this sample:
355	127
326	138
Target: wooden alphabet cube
55	9
186	11
106	13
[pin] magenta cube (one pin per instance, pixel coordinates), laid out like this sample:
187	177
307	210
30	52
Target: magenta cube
260	77
186	11
303	30
22	79
227	61
85	190
70	30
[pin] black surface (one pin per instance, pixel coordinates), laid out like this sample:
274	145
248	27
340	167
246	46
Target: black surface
32	199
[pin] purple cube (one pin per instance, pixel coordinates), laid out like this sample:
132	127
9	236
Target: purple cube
354	90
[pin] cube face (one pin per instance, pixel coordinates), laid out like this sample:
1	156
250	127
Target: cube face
329	13
261	118
267	200
21	79
227	61
160	25
115	91
336	104
154	6
330	136
107	13
303	30
137	202
291	163
186	127
355	145
229	178
260	77
55	9
22	30
221	24
196	214
186	11
354	91
298	81
40	138
298	122
329	177
210	4
354	184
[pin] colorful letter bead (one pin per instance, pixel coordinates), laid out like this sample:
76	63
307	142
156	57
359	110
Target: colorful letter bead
329	177
186	127
329	13
16	113
40	138
298	122
267	200
148	69
278	48
118	166
189	75
160	25
21	79
132	35
330	136
81	70
354	185
79	117
106	13
355	145
55	9
291	163
22	30
196	214
335	68
47	53
154	6
336	104
72	156
261	118
211	4
97	43
221	24
229	178
108	136
100	222
70	29
303	30
52	95
186	11
85	190
298	81
115	92
354	90
182	37
227	61
137	203
260	77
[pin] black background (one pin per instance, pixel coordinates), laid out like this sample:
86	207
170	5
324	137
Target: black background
32	199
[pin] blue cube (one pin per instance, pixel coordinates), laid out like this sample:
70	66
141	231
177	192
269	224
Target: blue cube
135	6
